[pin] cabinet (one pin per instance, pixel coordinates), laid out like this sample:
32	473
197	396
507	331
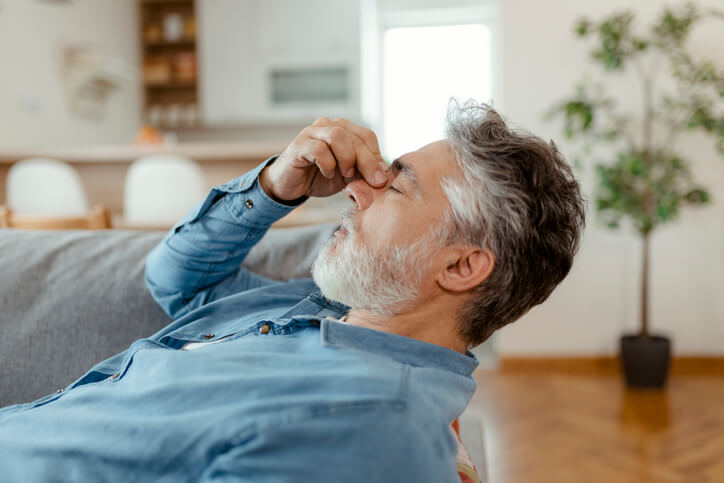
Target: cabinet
168	48
278	61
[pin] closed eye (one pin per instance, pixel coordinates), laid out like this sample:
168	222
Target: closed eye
395	189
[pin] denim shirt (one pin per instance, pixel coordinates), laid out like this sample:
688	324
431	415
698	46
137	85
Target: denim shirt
288	395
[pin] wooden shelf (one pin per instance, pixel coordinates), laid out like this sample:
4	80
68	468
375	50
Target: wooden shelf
171	85
155	2
160	20
203	152
164	44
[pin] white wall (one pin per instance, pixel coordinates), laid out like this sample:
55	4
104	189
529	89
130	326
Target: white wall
599	300
33	106
235	82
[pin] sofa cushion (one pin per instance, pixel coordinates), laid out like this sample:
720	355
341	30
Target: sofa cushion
71	299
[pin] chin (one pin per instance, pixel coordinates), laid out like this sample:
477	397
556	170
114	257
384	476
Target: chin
366	278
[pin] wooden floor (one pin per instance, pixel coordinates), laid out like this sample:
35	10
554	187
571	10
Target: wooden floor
557	427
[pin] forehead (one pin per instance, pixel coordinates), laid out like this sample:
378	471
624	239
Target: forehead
429	165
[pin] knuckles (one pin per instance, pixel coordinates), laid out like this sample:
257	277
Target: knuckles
319	150
337	135
371	137
357	142
340	135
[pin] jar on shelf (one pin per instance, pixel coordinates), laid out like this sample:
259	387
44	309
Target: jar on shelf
185	66
152	33
191	115
154	115
156	70
173	114
190	28
173	27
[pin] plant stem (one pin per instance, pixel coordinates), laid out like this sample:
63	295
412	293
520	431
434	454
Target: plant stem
647	120
645	285
648	116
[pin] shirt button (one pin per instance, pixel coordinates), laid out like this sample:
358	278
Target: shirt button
264	329
249	204
115	376
208	336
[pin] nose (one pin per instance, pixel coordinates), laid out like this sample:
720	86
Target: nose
362	194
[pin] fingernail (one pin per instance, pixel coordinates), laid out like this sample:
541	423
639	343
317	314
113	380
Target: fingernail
384	166
349	173
380	177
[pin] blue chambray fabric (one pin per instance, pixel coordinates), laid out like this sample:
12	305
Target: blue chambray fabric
289	395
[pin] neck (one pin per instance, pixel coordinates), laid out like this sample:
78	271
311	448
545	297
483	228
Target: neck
431	322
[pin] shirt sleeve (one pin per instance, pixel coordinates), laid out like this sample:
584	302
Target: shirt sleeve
376	443
200	258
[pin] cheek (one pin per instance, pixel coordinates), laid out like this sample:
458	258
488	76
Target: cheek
380	227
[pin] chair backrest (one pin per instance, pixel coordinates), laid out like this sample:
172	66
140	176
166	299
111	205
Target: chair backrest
96	219
160	189
49	187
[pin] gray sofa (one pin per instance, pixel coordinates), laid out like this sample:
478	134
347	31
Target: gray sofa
71	299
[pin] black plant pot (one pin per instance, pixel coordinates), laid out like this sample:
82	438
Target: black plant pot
645	360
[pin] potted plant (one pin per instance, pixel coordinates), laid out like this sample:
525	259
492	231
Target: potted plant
646	181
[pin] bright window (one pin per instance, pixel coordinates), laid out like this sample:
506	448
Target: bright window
423	68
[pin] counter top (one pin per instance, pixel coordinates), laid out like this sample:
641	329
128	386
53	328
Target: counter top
126	153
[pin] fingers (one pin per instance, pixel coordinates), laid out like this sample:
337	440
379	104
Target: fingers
354	147
368	137
317	152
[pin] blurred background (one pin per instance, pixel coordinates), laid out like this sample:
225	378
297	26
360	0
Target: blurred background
207	89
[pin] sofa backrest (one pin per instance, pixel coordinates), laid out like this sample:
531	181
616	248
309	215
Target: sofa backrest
71	299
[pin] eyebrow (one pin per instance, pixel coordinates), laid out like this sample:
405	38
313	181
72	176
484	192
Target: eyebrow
399	166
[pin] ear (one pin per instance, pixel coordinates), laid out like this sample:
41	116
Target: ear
466	267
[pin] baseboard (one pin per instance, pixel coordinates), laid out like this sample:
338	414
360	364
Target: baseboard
688	365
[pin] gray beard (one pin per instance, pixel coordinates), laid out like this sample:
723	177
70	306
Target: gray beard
382	280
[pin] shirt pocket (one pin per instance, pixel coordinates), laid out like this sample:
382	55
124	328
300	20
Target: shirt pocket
353	390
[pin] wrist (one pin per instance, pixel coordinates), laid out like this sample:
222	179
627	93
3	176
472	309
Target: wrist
267	187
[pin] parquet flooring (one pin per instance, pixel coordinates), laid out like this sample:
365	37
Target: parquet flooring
557	427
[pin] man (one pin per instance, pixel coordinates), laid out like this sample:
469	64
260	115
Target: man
258	380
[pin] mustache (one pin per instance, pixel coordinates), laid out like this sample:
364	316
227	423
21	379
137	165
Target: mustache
349	219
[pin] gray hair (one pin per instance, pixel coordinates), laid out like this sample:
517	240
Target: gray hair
517	197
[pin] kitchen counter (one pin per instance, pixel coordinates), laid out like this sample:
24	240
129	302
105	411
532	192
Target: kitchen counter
103	169
127	153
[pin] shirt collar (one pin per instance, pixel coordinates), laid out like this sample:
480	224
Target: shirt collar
403	349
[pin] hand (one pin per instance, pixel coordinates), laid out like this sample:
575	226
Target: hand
322	159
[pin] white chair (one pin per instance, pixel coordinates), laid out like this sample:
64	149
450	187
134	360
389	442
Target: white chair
45	187
160	189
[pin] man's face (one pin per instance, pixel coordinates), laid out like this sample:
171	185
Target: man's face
384	257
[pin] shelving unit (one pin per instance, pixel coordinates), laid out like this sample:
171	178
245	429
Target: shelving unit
169	63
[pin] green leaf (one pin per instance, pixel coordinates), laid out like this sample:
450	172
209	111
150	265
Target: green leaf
640	44
698	196
582	27
673	26
645	186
